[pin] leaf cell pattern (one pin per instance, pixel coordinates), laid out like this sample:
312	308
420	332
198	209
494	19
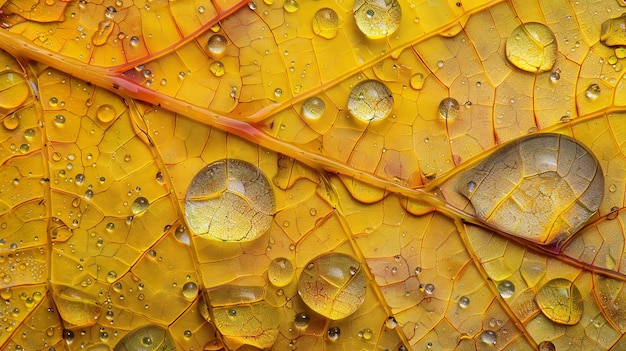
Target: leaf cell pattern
312	175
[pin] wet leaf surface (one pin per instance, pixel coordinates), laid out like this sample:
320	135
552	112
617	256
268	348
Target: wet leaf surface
312	175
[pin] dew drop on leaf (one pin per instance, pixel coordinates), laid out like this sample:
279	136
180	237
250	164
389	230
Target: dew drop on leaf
449	108
280	272
370	100
302	320
552	172
417	81
291	6
464	301
532	47
313	108
546	346
14	88
593	91
329	288
217	45
217	68
190	290
325	23
333	333
148	338
488	337
506	289
229	200
377	18
75	307
11	122
105	113
560	301
140	205
612	31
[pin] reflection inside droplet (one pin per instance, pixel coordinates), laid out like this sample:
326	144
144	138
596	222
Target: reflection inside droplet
325	23
560	301
377	19
370	100
532	47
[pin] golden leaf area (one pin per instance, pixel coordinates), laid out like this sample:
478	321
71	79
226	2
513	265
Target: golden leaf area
312	175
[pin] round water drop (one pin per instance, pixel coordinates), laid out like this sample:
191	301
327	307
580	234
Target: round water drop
593	91
366	333
15	89
134	41
464	301
506	289
333	333
75	307
417	81
325	23
106	113
11	122
111	276
278	92
546	346
532	47
190	290
53	101
449	108
221	187
217	45
542	187
147	338
59	120
370	100
560	301
555	76
140	205
217	68
110	12
302	320
328	286
291	6
377	18
313	108
280	272
488	337
429	289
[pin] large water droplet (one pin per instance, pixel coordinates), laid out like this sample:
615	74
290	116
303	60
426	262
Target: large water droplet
190	290
325	23
14	88
532	47
313	108
106	113
593	91
449	108
377	18
217	45
541	187
506	289
101	35
302	320
147	338
291	6
464	301
217	68
370	100
11	122
75	307
229	200
560	301
140	205
280	272
488	337
329	288
612	31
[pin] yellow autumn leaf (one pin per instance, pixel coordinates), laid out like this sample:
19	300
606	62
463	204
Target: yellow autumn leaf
312	175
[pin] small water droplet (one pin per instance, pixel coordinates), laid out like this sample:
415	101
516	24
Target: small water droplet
593	91
313	108
217	68
140	205
506	289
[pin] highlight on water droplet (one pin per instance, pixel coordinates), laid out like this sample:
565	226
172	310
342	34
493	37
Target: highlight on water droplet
11	122
464	301
221	187
542	187
532	47
291	6
217	46
612	31
560	300
149	338
329	288
280	272
134	41
593	91
325	23
105	113
302	320
101	35
140	205
333	333
506	289
489	337
449	108
313	108
370	101
377	18
417	81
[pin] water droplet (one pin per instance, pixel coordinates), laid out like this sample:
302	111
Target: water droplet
68	336
366	334
280	272
488	337
593	91
512	172
75	307
291	6
325	23
134	41
328	287
140	205
53	102
111	276
464	301
15	89
506	289
217	45
429	289
449	108
370	100
278	92
612	31
612	188
302	320
532	47
190	290
147	337
546	346
101	35
11	122
313	108
79	179
555	76
560	301
391	323
110	12
252	5
377	19
333	333
106	113
201	9
217	68
224	185
417	81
